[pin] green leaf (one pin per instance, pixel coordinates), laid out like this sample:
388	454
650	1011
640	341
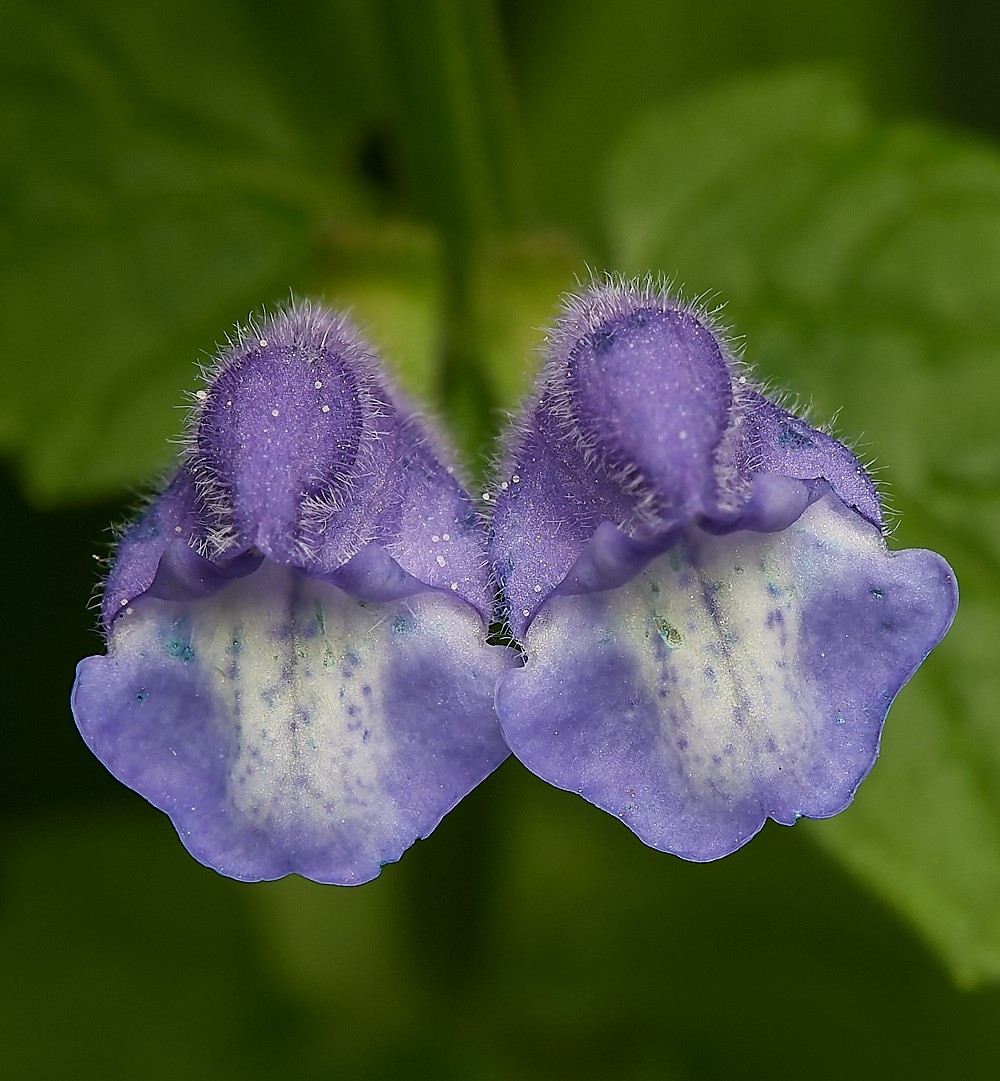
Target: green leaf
584	68
125	959
592	956
861	261
159	178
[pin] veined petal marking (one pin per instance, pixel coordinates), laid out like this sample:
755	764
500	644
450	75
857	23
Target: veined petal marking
736	678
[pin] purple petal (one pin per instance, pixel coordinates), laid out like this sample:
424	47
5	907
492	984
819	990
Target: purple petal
737	678
287	727
437	534
774	442
171	516
294	433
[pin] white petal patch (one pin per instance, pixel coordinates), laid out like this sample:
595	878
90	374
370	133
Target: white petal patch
721	623
299	675
708	644
736	672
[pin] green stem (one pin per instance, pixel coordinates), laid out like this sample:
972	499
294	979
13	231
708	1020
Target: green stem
455	119
455	111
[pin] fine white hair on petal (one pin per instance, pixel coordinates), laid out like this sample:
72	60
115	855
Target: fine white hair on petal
607	300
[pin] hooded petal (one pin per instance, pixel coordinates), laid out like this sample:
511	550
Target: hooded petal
646	421
302	449
632	424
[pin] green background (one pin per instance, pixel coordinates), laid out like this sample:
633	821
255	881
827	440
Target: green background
447	170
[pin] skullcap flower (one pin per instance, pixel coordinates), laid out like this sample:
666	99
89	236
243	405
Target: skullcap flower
297	668
712	625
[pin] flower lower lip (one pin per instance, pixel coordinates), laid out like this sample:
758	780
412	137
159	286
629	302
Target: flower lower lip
287	727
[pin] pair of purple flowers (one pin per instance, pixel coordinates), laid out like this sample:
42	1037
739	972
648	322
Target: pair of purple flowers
710	627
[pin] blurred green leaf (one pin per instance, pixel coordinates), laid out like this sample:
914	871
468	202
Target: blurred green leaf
862	263
158	178
164	175
586	68
519	288
455	122
124	959
597	957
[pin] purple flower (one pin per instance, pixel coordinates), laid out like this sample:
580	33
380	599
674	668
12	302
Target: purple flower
297	668
712	624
